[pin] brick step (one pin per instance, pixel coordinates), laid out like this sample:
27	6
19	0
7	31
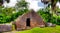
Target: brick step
28	27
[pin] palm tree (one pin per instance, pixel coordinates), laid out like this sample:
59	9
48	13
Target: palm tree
1	2
45	3
53	7
53	4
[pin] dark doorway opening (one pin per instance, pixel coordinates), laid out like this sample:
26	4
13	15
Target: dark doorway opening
28	22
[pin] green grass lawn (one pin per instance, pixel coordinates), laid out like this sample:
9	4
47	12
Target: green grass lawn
41	30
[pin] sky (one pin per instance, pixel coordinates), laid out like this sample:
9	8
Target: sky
34	4
11	4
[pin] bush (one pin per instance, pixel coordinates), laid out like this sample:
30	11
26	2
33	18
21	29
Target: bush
19	13
8	18
47	17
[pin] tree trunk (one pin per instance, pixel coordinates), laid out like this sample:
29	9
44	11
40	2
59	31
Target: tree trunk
53	6
1	2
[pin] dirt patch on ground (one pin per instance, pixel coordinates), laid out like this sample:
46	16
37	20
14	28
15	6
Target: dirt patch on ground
11	32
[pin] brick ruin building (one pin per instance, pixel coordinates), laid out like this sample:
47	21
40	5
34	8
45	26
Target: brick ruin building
30	19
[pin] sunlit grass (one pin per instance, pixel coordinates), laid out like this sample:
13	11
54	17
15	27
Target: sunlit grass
41	30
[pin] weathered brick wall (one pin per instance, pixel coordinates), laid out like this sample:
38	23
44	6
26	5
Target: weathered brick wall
4	28
35	20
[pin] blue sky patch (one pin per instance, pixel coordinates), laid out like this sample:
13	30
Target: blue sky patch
40	4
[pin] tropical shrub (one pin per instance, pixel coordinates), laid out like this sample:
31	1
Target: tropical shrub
48	17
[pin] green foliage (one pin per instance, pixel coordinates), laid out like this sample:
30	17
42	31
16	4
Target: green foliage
58	20
6	11
5	14
48	17
4	18
9	14
45	15
19	13
22	4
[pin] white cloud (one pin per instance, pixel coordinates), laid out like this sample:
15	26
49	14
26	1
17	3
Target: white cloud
34	4
58	4
11	4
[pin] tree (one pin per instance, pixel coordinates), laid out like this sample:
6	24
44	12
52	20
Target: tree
9	14
45	15
6	11
5	14
22	4
1	2
53	4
